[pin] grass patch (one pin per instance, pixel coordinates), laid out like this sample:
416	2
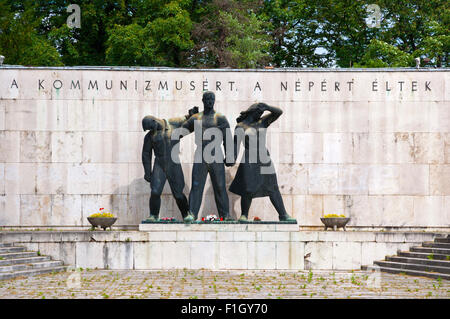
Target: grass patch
310	276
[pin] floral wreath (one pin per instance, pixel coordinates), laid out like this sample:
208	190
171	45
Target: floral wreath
211	218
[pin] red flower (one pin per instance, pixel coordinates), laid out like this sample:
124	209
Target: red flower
102	208
203	219
221	219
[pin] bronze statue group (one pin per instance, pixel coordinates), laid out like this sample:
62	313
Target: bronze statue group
255	176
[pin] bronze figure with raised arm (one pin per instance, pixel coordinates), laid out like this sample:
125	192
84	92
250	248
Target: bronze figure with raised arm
256	176
209	157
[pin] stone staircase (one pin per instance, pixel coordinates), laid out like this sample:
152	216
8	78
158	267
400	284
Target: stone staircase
15	261
432	260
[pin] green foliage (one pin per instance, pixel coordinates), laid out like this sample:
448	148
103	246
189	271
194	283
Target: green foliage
19	41
229	34
226	33
340	29
247	45
157	38
127	45
292	28
380	54
436	45
40	53
420	28
170	34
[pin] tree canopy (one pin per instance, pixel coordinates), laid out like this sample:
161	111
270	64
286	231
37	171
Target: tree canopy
226	33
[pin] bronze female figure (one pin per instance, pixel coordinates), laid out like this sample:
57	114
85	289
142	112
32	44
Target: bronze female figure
256	176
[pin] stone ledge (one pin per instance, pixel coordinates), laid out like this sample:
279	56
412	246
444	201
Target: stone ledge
275	226
71	236
218	249
179	232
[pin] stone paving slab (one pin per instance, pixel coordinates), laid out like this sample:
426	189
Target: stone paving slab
208	284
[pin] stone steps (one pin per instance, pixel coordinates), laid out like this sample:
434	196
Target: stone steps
410	266
432	260
6	245
421	255
420	261
431	250
18	255
25	260
15	261
33	265
31	272
436	245
409	272
11	249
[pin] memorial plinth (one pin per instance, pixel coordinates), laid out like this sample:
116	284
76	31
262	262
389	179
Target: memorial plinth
219	226
217	247
221	245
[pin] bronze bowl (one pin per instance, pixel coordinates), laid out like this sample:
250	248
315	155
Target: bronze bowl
335	222
102	222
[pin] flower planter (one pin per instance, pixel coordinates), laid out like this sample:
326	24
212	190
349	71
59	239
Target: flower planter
335	222
102	222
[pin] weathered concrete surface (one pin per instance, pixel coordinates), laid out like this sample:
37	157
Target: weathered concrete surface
373	144
217	249
207	284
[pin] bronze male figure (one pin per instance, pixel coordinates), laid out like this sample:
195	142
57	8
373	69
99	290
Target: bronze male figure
167	164
211	120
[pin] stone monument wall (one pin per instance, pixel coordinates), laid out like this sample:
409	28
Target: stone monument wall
371	144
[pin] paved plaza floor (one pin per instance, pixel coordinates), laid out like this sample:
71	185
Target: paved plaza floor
205	284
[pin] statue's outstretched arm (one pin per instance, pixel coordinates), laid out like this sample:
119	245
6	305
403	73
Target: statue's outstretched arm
189	124
179	122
